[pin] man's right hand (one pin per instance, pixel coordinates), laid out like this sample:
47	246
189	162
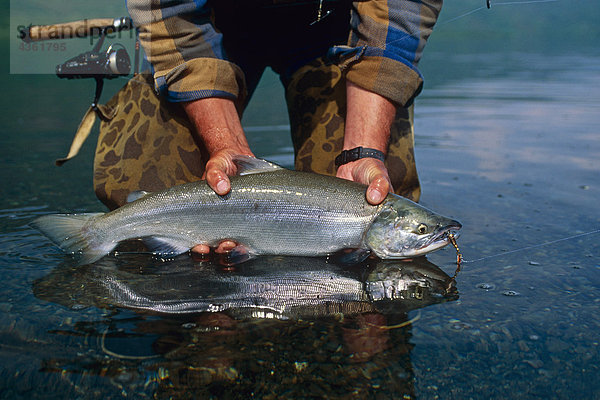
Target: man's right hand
218	169
218	125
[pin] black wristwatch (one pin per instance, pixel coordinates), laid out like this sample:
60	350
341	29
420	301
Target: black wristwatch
357	153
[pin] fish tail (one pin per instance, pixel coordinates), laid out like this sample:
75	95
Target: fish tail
69	232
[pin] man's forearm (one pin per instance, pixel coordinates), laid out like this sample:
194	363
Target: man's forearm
218	124
369	117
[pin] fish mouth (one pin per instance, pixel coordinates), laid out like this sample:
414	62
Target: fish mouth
439	240
435	242
444	236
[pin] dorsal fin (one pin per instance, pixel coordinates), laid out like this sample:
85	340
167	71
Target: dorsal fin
138	194
247	165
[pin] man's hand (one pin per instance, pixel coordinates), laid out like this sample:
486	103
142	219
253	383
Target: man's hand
368	120
219	167
369	171
223	247
218	124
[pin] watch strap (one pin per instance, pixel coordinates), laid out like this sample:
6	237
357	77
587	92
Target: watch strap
357	153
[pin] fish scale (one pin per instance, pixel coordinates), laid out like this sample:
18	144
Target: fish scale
274	220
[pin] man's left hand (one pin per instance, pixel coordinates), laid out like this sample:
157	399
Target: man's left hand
368	171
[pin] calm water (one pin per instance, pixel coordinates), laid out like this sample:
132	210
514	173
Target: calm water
506	144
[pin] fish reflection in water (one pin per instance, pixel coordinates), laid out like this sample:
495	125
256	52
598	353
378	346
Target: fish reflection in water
283	327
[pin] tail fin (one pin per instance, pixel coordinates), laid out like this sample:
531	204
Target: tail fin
67	231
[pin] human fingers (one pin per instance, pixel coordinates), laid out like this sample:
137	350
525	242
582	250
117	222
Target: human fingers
201	249
371	172
217	172
377	177
218	180
225	246
378	190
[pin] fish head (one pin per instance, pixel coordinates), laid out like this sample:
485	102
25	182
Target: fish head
405	229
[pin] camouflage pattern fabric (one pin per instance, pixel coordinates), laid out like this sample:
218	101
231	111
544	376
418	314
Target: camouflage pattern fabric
150	144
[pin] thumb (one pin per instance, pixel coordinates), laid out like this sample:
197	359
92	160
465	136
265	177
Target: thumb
378	190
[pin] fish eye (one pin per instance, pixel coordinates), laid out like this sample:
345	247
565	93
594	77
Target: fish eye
422	229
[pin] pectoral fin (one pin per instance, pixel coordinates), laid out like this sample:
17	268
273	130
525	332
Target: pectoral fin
350	256
165	246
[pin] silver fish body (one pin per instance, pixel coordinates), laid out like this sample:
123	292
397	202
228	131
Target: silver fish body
270	210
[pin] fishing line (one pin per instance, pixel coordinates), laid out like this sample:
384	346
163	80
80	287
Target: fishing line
532	246
523	2
458	17
397	326
473	11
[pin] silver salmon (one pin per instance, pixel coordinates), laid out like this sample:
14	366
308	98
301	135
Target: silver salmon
270	210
